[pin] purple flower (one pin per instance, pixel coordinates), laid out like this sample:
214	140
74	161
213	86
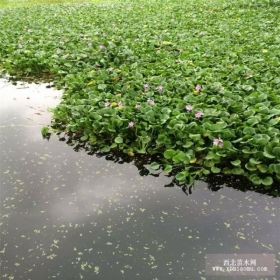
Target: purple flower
159	89
218	142
198	88
151	102
198	114
120	104
189	108
131	124
146	87
138	106
102	47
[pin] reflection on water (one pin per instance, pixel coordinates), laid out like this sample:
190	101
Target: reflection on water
67	215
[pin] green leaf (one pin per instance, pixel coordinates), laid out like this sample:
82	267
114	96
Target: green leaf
276	152
209	163
210	155
188	144
195	137
268	155
237	171
253	121
168	154
119	140
45	131
261	139
236	162
181	177
215	169
275	168
247	151
181	156
166	43
154	166
105	149
167	168
267	181
255	179
145	139
96	116
254	161
250	166
262	168
84	138
249	130
101	86
206	171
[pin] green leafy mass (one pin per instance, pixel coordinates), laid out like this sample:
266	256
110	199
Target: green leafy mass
193	85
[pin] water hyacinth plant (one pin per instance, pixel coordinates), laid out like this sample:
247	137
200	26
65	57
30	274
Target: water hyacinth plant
193	85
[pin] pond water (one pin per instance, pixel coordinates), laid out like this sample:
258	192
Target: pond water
68	215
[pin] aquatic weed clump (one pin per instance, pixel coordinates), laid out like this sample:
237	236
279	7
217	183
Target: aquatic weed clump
193	85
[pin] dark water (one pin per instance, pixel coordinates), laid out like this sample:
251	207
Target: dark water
67	215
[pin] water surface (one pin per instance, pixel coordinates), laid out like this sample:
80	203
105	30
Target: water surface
67	215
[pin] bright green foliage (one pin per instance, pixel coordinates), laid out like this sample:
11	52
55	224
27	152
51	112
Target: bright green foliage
28	3
130	68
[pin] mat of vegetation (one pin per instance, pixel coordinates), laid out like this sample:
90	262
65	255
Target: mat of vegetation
28	3
195	85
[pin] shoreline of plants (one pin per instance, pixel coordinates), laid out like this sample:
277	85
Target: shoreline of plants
194	86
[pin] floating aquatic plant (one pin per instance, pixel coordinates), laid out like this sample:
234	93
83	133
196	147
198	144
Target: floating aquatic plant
192	84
